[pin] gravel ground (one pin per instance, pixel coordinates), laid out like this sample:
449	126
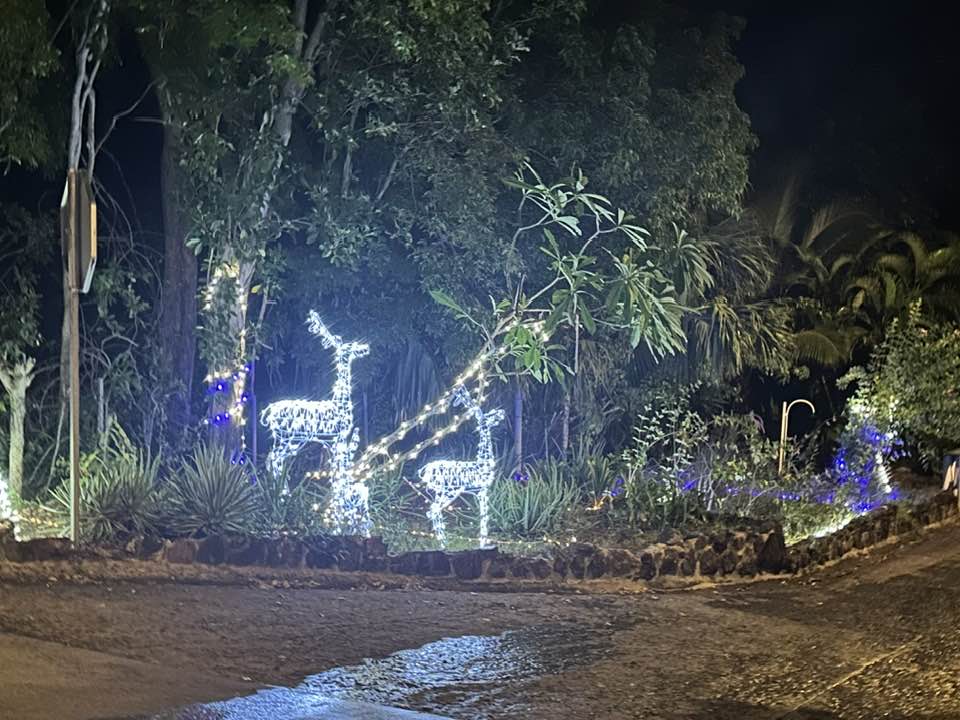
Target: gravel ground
873	636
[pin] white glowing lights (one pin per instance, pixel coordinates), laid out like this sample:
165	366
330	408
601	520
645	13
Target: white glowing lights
380	451
294	423
449	479
348	512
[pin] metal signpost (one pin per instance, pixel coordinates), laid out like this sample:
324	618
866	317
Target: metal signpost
78	225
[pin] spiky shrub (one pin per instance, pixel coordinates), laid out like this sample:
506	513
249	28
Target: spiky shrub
597	476
280	509
535	501
119	495
399	515
211	496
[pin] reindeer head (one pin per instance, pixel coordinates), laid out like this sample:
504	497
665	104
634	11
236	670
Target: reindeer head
461	397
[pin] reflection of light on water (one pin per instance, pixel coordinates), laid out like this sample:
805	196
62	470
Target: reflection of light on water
284	704
466	675
467	660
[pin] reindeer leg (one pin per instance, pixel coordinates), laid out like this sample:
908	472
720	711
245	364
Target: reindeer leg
436	517
484	501
276	458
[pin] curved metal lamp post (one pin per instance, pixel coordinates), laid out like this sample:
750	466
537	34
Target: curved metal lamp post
784	419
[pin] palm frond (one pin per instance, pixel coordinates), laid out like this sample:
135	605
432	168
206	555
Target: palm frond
820	347
899	264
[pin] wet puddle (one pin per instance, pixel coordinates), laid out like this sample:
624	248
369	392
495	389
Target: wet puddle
468	677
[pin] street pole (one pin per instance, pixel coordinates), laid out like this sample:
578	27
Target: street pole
73	264
252	389
784	420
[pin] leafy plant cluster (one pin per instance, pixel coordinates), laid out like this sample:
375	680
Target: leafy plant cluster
686	466
124	494
909	389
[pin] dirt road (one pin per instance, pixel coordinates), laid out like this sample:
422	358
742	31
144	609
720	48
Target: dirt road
874	636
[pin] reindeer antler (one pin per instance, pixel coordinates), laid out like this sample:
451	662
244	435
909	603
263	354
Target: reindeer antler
316	326
494	417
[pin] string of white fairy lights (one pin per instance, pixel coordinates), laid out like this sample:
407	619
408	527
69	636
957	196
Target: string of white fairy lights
476	372
367	464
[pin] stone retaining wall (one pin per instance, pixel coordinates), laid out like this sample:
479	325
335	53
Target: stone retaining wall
871	529
742	551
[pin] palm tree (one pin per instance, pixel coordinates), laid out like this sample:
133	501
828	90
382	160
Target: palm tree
736	319
848	274
817	253
902	268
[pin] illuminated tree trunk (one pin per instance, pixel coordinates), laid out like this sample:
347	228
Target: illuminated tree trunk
230	283
16	380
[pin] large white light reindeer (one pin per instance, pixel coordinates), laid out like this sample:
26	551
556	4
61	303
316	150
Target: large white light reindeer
449	479
294	423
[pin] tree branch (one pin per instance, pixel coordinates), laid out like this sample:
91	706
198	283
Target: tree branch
124	113
313	44
391	174
347	174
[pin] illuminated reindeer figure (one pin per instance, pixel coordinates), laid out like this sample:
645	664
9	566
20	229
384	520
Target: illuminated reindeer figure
348	511
449	479
294	423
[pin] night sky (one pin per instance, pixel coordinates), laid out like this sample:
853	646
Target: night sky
861	96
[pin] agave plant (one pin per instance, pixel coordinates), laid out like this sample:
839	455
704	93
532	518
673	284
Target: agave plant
210	495
535	500
118	492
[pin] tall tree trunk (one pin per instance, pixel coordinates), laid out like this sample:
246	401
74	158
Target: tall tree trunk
16	380
518	424
565	428
178	304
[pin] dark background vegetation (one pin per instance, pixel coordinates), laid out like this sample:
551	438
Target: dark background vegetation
807	149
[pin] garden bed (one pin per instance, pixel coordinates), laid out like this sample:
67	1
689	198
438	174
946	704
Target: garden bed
739	552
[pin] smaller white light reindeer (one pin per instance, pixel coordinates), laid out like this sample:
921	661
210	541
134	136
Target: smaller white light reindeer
449	479
294	423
